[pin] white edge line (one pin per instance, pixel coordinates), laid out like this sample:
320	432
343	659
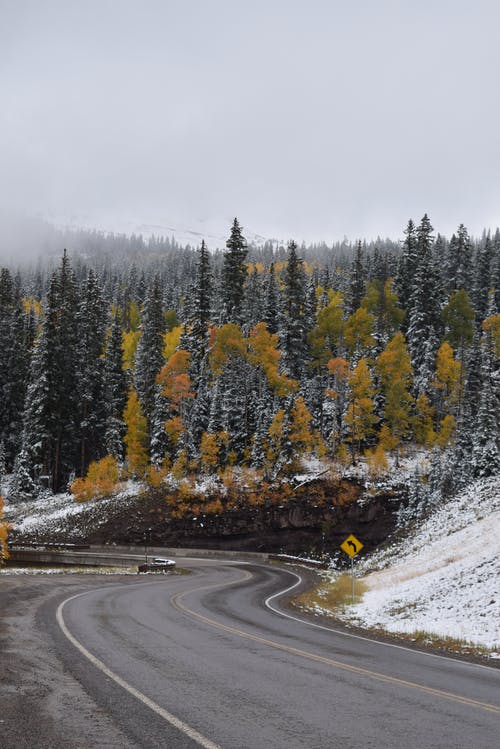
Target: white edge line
280	612
175	722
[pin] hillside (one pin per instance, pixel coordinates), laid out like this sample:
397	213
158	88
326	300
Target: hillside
441	579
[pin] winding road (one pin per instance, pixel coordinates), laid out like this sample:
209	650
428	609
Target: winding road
210	660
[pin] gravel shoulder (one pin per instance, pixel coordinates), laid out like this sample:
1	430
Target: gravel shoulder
42	704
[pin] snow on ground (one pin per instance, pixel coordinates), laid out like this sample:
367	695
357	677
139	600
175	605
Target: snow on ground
51	515
444	577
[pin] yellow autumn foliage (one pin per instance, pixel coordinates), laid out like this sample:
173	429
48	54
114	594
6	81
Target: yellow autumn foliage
492	326
136	436
171	340
102	480
4	532
263	352
130	340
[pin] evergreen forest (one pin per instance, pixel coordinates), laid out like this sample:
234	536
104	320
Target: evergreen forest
131	358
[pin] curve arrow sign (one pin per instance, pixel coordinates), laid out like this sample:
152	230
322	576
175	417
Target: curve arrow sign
352	546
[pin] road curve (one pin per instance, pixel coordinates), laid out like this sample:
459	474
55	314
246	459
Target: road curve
208	660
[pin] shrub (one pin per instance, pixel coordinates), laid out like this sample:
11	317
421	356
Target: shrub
4	530
102	480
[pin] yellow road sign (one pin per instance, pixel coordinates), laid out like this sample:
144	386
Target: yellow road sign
351	546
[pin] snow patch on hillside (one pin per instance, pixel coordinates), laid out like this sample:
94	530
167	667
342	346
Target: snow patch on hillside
50	514
444	577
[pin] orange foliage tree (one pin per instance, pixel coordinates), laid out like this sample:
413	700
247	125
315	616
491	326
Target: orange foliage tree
102	480
4	531
176	388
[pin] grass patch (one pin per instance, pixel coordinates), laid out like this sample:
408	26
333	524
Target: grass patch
332	594
450	644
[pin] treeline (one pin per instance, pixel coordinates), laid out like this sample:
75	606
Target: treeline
197	362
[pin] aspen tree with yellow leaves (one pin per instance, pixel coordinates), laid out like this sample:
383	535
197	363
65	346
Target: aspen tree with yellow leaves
4	532
395	372
360	417
136	436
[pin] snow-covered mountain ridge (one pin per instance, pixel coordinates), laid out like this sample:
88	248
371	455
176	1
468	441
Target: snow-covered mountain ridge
215	232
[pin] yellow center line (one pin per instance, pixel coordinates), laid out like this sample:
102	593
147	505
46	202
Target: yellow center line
176	602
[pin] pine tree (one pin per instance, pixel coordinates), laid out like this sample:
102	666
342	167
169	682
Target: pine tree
458	266
357	283
424	316
293	327
159	440
91	395
483	280
115	390
199	315
199	413
234	274
16	340
407	267
486	439
270	301
51	415
252	302
149	355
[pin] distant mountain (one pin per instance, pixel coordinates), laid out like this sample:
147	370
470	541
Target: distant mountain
215	232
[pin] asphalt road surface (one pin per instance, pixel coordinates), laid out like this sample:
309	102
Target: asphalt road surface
208	659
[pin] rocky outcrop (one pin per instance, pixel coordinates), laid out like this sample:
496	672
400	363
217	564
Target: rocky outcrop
296	527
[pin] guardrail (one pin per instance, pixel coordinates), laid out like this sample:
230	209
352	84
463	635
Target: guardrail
129	556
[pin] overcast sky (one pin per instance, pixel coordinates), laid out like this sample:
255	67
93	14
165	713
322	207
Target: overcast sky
311	119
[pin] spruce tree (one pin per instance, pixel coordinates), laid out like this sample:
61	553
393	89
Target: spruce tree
486	431
406	268
16	342
234	274
149	356
293	323
252	303
91	393
198	318
115	390
202	294
270	306
458	265
51	415
357	282
483	280
424	315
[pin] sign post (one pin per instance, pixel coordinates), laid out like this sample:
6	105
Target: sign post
351	546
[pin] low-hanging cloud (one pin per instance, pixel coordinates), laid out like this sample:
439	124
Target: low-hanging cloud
315	120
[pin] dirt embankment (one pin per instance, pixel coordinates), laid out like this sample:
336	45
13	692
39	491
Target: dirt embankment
312	520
